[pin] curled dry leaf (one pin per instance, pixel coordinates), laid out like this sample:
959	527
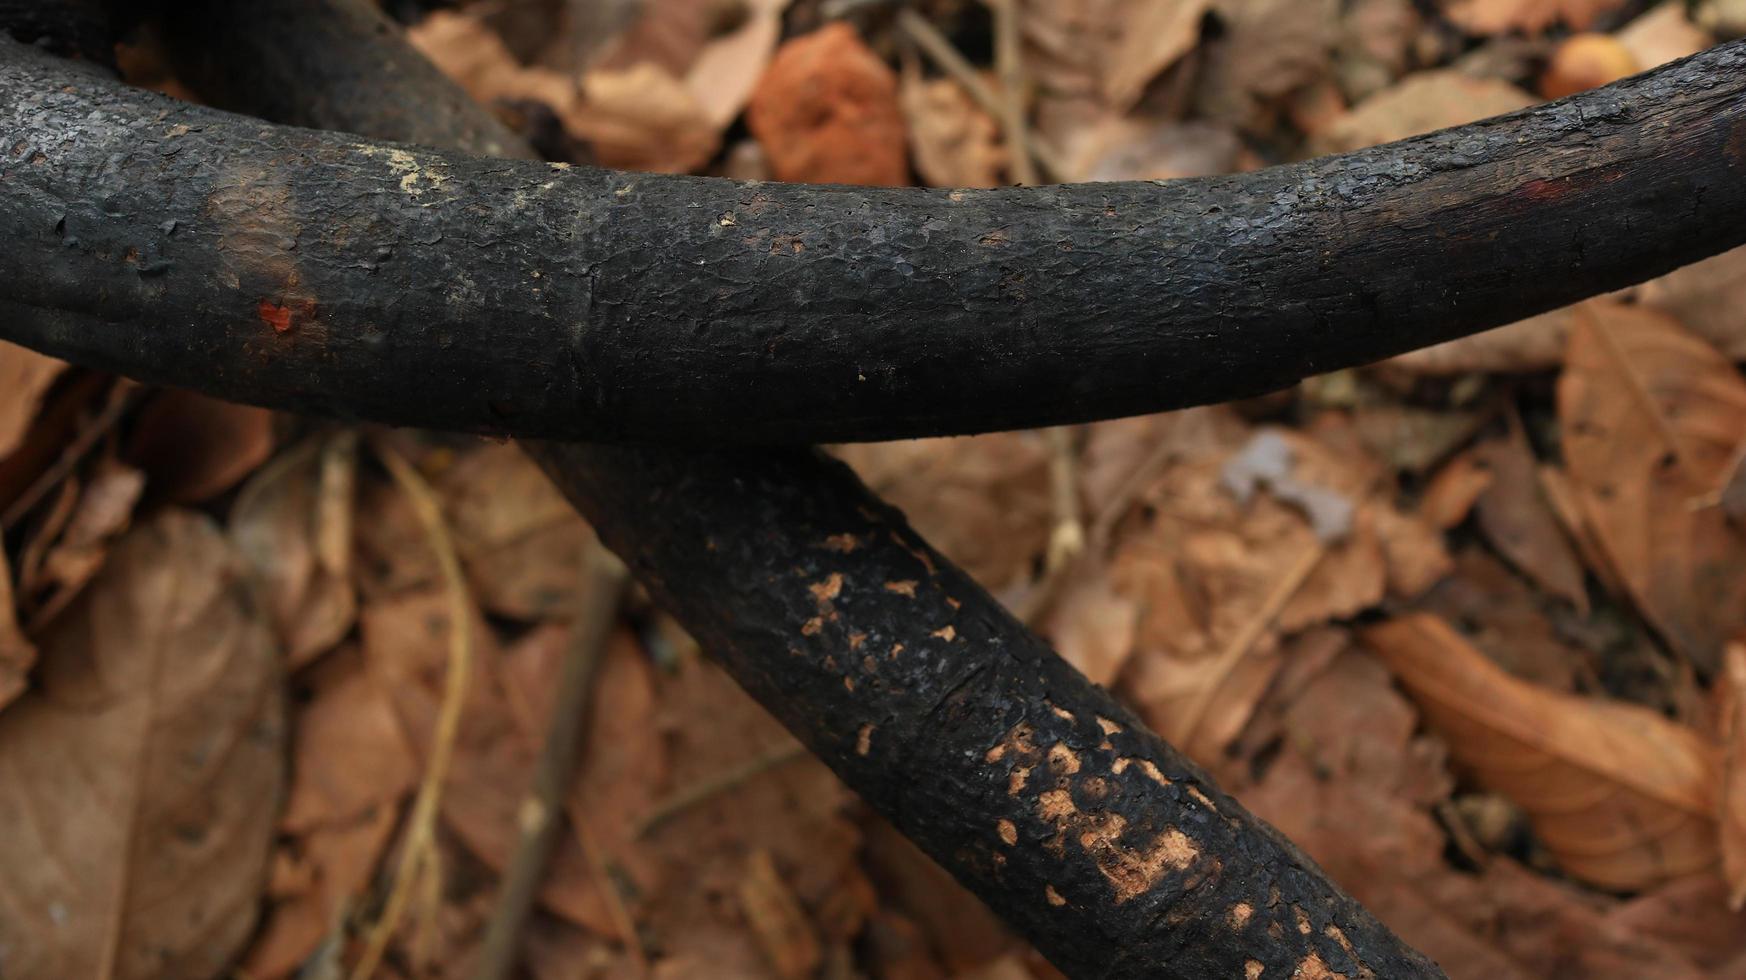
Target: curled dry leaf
140	784
292	524
1624	798
521	542
776	918
1651	418
102	512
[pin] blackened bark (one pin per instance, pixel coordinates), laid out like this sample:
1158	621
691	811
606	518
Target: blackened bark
457	292
1097	841
1092	836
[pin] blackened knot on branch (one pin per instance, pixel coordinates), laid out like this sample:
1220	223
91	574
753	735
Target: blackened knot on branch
450	291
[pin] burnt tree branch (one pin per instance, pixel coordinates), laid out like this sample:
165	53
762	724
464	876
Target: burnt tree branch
1091	836
453	291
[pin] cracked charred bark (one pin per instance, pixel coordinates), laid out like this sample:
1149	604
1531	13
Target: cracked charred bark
1095	839
461	292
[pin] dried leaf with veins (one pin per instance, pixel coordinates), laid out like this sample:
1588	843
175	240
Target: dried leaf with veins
292	524
138	786
1624	798
1519	523
1651	418
521	543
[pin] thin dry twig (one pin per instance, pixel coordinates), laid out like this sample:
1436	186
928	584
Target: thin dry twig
127	395
419	847
1009	63
940	50
604	579
703	791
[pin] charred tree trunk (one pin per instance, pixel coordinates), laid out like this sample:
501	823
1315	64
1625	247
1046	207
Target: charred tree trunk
1096	840
454	291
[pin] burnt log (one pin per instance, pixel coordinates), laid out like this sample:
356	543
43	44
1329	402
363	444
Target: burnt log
441	289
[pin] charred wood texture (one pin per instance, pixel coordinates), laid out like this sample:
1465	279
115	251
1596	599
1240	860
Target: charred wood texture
454	291
1088	833
1098	842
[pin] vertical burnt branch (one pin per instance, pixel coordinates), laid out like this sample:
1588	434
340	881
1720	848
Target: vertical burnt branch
1100	843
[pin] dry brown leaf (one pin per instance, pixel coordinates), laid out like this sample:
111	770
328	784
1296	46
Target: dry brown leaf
718	49
349	755
103	511
521	542
1092	626
1663	34
1131	148
193	448
26	377
1453	492
1267	50
1707	298
335	863
1520	524
984	500
140	784
1651	417
1152	37
1692	915
776	918
1527	16
1733	791
1505	617
17	653
955	143
625	764
1624	798
643	118
292	524
403	646
1422	102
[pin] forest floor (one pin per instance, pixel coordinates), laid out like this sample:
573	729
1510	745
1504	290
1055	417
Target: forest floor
1469	626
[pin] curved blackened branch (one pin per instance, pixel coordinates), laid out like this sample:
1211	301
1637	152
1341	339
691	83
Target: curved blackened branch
322	273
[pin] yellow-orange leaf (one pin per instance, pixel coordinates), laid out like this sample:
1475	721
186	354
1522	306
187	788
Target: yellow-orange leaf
1622	797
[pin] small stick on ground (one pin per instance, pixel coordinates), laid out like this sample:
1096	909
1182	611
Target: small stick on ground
420	842
602	590
126	397
701	792
1009	62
